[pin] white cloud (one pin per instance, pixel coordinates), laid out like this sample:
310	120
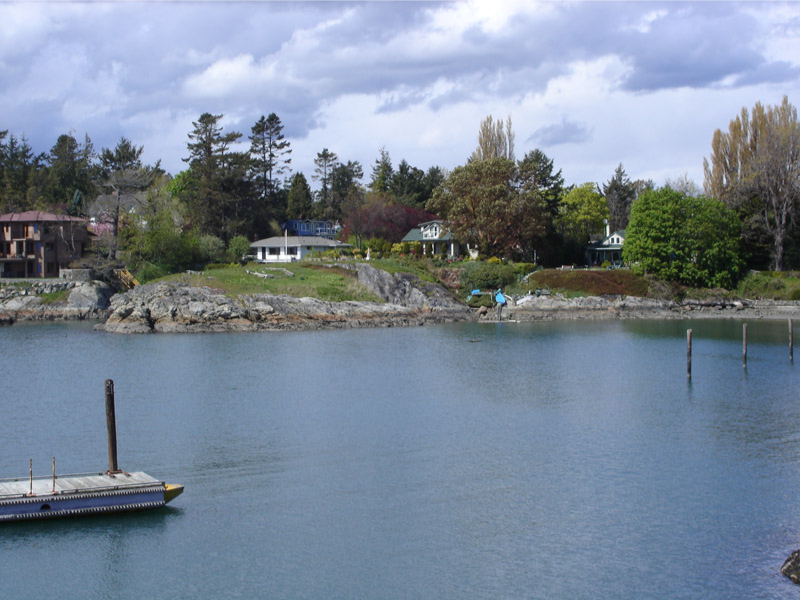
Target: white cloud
640	83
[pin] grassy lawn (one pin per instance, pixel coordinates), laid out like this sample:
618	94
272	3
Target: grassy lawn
308	280
335	284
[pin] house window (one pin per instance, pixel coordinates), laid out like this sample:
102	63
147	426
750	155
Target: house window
292	251
274	251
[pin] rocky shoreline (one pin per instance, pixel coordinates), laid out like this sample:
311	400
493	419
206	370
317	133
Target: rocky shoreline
545	308
85	301
407	301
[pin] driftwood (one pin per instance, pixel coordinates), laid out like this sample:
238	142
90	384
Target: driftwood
267	275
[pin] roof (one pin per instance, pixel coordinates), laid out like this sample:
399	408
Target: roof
37	216
415	235
294	241
604	244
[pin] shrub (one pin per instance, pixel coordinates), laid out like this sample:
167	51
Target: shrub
210	249
524	268
149	272
486	276
493	260
478	301
238	247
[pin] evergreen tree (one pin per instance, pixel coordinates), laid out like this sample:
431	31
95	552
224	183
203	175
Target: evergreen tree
408	185
123	174
71	168
220	194
344	190
269	153
382	173
21	175
300	202
620	193
325	162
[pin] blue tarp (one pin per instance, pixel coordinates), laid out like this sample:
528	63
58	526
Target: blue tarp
499	298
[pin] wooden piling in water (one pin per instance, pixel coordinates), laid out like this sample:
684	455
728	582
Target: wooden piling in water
791	342
744	346
111	424
688	353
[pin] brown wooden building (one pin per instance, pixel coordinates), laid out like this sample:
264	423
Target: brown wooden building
39	244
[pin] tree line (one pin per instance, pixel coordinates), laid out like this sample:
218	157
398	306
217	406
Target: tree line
503	206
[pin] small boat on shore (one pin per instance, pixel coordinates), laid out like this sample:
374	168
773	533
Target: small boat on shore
87	493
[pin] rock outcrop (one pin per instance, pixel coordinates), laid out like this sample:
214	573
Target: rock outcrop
791	567
544	308
404	289
86	300
179	308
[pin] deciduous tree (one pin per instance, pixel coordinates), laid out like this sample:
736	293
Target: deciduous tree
755	169
495	140
694	240
486	203
582	213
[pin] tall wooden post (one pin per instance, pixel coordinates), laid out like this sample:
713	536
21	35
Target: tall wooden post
111	424
688	353
744	346
791	342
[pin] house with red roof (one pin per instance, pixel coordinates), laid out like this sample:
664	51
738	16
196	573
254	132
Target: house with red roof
39	244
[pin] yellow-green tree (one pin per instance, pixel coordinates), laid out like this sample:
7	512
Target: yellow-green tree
754	168
582	213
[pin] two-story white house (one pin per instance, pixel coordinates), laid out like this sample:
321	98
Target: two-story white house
609	249
436	238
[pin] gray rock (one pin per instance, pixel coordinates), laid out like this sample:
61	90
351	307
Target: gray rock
90	295
178	308
791	567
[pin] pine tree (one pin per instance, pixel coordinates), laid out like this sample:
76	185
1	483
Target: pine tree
269	153
620	193
220	197
325	162
299	200
382	173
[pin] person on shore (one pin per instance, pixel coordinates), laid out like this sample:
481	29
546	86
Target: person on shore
500	298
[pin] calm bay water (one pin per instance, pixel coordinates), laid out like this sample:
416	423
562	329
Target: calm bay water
545	460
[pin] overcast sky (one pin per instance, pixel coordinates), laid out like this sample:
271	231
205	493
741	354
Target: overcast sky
592	84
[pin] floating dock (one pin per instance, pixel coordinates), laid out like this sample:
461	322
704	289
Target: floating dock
82	494
88	493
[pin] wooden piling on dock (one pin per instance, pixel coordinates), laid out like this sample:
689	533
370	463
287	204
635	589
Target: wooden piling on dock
111	424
